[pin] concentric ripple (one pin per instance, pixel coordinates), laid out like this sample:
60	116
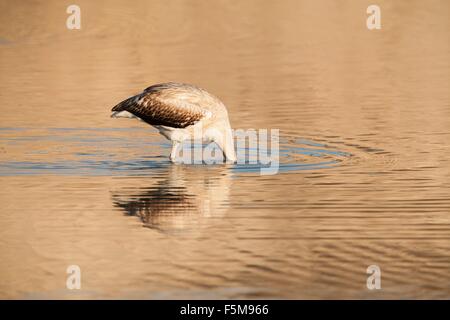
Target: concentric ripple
135	151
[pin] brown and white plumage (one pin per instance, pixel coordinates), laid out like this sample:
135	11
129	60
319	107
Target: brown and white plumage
177	110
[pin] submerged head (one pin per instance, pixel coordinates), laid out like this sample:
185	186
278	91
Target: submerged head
222	134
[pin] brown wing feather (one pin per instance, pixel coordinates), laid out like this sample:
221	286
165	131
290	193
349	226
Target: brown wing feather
166	104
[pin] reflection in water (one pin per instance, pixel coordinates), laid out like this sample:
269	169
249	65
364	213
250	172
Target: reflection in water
182	200
364	122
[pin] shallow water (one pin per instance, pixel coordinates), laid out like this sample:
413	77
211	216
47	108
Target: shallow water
364	120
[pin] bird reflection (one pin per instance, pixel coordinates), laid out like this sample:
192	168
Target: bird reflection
179	199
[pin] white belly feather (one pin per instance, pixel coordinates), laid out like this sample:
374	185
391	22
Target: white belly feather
175	134
123	114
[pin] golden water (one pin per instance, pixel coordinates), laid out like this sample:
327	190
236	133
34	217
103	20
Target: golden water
364	119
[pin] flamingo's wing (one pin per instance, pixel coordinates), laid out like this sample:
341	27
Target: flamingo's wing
171	106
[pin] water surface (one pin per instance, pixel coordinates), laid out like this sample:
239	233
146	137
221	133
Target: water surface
364	120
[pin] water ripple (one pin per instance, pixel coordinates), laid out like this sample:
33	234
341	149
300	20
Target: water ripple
135	151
